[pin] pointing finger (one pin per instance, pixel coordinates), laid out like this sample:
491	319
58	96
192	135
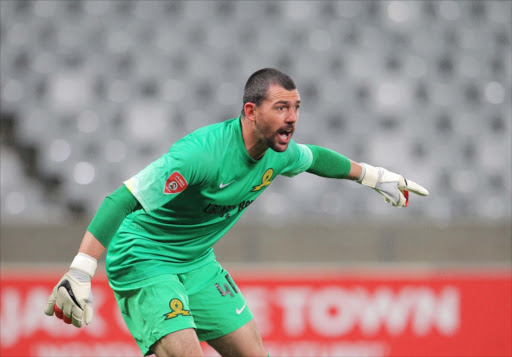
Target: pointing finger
414	188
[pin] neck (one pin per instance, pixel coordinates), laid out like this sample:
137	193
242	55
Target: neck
255	148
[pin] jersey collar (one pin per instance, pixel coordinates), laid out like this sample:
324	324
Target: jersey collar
241	145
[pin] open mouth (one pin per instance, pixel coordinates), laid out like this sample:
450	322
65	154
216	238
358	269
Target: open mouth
285	135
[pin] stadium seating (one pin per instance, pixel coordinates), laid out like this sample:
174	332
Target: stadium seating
92	91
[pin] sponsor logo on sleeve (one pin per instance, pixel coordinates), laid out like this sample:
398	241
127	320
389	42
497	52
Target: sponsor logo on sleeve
176	183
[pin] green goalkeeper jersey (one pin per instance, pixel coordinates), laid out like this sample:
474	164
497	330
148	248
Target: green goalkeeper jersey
191	196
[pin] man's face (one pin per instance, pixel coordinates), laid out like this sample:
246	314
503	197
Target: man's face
276	117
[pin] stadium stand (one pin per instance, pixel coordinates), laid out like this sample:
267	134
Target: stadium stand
92	91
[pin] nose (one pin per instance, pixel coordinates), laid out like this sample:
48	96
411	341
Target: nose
292	117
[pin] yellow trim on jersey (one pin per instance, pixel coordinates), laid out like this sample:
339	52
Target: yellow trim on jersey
129	184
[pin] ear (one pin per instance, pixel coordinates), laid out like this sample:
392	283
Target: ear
250	110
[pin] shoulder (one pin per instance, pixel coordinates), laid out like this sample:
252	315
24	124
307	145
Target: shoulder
294	149
296	159
200	150
205	139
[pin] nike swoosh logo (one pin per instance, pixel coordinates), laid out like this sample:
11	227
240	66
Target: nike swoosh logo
66	285
222	185
239	311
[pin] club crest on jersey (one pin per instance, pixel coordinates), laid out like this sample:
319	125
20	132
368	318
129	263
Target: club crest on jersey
176	309
176	183
265	180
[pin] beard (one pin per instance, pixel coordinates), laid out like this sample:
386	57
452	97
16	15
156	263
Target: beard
271	142
270	136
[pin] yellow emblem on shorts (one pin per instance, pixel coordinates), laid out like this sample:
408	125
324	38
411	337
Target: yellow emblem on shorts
265	181
177	309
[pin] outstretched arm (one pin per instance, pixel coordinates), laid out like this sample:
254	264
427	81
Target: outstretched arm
329	163
393	187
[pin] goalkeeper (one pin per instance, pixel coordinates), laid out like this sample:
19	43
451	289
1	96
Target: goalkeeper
161	224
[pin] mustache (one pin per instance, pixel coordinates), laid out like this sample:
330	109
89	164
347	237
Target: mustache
290	127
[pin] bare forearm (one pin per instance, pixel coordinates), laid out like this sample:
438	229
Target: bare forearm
91	246
355	171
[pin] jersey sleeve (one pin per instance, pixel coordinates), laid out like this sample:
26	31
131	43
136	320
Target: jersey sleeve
167	177
300	158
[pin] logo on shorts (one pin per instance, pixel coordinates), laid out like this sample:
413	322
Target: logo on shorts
176	183
177	309
239	311
265	180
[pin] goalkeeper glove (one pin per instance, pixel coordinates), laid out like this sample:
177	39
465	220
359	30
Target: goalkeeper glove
393	187
71	298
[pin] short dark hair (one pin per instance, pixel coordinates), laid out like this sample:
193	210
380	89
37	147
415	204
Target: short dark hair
257	85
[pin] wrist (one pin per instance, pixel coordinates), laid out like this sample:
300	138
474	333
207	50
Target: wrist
363	172
84	263
369	175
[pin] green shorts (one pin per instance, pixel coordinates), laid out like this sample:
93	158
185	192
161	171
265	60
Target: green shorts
206	299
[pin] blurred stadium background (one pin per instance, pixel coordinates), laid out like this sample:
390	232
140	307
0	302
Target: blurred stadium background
93	91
